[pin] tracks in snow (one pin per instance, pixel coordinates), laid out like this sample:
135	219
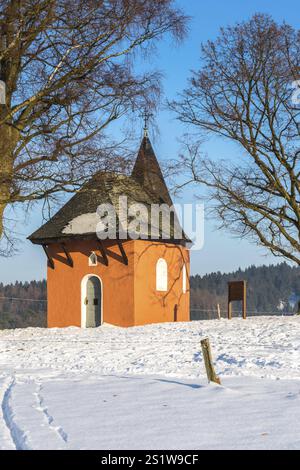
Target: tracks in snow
17	439
25	420
49	419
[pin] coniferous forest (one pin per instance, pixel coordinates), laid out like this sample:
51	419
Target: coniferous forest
273	290
23	304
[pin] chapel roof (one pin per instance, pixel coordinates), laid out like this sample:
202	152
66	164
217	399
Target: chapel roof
78	218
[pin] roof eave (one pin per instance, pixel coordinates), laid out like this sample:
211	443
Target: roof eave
92	236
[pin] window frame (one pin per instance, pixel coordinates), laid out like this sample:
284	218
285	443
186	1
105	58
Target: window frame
161	275
91	263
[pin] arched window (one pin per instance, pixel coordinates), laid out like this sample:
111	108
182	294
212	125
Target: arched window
93	259
161	275
184	279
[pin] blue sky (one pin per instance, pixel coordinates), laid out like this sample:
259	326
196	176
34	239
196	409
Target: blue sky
221	251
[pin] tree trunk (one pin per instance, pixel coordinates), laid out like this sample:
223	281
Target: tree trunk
8	140
2	208
4	197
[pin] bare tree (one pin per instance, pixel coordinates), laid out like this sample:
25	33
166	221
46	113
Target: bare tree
68	70
246	92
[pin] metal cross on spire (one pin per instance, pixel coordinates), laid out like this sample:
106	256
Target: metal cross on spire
147	115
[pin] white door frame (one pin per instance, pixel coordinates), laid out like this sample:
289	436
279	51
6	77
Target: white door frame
83	296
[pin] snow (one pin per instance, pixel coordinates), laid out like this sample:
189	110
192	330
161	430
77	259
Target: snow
145	387
85	223
260	347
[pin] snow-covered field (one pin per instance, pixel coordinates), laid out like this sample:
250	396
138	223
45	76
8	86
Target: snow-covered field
145	387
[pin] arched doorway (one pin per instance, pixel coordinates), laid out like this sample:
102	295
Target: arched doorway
92	302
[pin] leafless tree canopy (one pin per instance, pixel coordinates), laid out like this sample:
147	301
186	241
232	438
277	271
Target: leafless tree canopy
68	70
244	92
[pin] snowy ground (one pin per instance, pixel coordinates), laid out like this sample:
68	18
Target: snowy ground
145	387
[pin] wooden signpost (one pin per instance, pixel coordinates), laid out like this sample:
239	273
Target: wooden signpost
237	290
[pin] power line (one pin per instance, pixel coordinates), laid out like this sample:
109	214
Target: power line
21	299
239	311
214	311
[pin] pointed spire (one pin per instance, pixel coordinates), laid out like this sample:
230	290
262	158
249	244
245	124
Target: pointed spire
148	173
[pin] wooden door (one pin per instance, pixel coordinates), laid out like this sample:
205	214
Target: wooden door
93	303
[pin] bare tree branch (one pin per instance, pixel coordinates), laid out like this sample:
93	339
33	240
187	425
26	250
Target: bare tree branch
68	67
244	93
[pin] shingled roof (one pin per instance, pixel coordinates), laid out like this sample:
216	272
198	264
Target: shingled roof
78	217
148	173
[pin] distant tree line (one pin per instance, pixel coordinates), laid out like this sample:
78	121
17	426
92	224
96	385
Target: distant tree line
271	290
29	311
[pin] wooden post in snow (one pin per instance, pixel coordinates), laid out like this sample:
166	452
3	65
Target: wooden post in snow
207	356
219	311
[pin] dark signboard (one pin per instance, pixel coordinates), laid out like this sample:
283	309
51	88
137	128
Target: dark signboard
237	291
